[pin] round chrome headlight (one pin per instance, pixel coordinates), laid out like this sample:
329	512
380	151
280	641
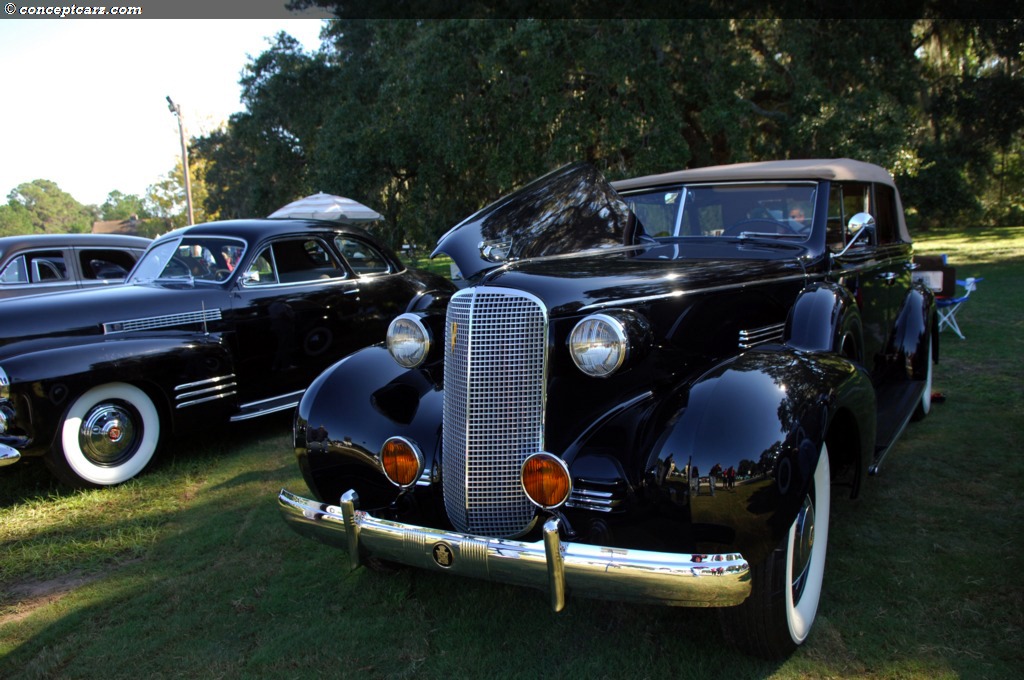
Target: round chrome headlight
599	345
408	340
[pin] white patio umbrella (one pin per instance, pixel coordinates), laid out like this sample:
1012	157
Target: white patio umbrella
323	206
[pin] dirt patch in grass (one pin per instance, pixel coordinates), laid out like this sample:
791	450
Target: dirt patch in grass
24	598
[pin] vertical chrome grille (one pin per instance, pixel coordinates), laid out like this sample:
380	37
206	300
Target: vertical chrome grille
494	377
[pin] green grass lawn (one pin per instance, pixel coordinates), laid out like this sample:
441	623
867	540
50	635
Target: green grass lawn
189	572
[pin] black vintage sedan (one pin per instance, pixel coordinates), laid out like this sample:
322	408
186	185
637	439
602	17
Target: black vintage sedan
217	322
648	391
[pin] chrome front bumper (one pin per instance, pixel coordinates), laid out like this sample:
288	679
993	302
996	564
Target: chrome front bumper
677	579
8	455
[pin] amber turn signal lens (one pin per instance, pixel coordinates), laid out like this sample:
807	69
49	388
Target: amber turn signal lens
546	480
401	460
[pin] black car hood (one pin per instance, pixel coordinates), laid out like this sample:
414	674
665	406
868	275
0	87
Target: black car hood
648	273
570	210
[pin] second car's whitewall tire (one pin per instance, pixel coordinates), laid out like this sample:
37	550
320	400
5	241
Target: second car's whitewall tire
131	414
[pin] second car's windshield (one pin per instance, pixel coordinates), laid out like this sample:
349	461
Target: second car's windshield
726	210
191	258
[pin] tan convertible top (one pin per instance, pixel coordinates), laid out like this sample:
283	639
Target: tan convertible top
827	169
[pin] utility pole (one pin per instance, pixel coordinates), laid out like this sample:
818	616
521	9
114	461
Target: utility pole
176	110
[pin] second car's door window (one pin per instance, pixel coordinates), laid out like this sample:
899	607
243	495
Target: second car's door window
294	261
361	256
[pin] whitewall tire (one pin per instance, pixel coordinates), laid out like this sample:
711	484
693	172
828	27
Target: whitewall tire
786	586
108	436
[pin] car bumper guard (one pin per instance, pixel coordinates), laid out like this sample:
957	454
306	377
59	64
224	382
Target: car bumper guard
8	455
679	579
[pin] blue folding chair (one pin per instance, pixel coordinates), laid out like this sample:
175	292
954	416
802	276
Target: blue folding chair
949	306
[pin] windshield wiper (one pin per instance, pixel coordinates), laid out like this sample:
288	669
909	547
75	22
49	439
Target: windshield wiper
746	235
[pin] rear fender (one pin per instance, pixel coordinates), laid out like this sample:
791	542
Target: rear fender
825	318
914	326
766	414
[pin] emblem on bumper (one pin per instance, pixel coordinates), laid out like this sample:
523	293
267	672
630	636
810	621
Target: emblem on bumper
443	555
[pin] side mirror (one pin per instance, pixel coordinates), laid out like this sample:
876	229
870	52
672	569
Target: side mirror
861	226
250	278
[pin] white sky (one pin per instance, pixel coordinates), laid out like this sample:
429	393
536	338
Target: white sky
83	101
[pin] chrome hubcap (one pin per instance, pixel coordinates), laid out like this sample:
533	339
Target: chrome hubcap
108	434
803	543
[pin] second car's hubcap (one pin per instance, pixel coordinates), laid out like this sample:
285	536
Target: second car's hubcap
108	434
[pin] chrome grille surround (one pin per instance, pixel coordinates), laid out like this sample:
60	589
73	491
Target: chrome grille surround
495	374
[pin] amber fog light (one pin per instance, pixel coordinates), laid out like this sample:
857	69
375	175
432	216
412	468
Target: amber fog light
546	480
402	461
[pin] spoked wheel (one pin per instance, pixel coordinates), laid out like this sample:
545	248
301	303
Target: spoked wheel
786	587
108	436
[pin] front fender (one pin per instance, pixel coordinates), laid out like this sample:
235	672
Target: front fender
347	414
45	382
766	414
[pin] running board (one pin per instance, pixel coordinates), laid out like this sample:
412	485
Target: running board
255	409
899	400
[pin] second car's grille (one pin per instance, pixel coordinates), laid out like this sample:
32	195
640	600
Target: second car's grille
494	373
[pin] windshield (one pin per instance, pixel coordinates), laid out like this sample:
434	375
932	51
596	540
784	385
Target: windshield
197	258
727	210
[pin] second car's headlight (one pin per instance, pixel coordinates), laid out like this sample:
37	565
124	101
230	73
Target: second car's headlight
599	345
408	340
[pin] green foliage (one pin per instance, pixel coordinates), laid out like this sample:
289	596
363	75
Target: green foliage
40	207
428	121
120	206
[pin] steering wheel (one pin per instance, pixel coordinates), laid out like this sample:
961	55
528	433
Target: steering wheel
777	227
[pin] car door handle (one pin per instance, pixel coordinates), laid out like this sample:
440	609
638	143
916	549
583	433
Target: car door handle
888	277
351	291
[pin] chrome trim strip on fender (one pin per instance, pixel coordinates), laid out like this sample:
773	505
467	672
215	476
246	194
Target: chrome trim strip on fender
561	568
255	409
166	321
210	389
756	336
626	302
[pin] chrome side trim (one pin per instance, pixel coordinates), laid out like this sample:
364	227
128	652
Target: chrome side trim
597	501
210	389
679	293
759	336
561	568
256	409
165	321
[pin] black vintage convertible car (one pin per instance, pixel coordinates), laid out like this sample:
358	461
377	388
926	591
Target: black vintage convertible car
648	391
217	322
